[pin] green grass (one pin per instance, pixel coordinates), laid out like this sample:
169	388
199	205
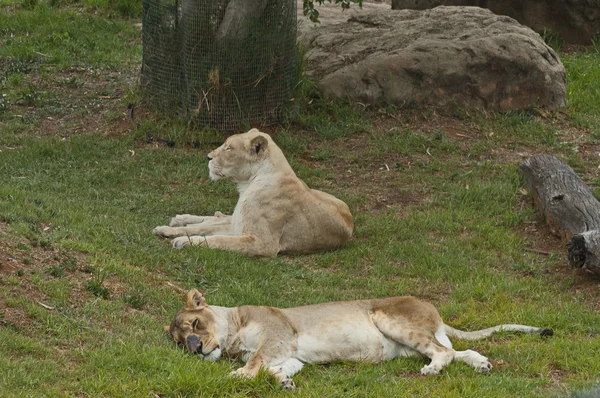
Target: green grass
64	38
85	288
583	97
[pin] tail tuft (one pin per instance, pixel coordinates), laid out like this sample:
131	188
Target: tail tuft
547	333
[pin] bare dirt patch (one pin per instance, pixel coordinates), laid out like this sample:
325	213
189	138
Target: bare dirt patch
77	101
557	376
376	181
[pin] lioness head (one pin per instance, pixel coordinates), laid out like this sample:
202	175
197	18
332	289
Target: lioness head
193	327
240	156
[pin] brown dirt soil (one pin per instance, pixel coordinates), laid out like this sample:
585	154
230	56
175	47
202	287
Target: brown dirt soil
90	101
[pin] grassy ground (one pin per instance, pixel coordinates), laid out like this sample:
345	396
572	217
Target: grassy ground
439	206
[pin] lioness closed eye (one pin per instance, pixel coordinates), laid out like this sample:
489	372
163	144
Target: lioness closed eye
276	211
282	340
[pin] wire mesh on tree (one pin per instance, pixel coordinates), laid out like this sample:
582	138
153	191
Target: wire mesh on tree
223	63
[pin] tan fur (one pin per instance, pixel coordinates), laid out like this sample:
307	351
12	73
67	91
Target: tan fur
281	340
276	211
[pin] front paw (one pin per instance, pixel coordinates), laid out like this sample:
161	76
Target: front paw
181	242
242	373
180	220
163	231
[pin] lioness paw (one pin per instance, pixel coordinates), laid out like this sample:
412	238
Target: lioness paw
183	241
478	361
178	221
242	372
483	366
181	220
429	370
288	384
165	231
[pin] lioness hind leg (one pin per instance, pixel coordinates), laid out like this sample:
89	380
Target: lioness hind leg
192	230
417	338
249	245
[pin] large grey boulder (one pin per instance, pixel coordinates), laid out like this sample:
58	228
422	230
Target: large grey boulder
443	56
577	21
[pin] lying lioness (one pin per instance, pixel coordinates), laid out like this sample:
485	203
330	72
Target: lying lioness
282	340
276	211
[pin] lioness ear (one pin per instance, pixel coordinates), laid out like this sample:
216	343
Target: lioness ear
258	145
194	300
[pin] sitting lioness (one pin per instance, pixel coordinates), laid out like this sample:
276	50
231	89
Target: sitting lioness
282	340
276	211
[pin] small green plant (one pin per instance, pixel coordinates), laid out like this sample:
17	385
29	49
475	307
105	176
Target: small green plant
73	82
135	301
70	264
23	247
56	271
552	39
87	269
438	135
95	287
133	95
15	79
30	96
20	66
97	290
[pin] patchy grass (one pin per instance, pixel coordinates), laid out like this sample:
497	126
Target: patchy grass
439	208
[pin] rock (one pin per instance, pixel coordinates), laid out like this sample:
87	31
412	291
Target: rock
577	21
442	56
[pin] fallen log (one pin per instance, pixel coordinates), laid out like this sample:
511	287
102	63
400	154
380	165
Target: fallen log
568	206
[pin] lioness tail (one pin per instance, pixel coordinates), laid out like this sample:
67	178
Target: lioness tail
479	334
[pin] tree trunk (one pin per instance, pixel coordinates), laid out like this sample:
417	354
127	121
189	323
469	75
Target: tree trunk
568	206
238	16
